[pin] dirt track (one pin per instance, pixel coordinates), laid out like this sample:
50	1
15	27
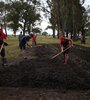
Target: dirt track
42	72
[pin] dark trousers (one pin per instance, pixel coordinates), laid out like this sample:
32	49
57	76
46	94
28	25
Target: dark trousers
3	52
3	56
34	42
22	46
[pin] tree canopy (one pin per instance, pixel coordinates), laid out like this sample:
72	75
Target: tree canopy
65	16
21	15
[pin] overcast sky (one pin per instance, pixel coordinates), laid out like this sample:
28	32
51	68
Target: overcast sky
87	4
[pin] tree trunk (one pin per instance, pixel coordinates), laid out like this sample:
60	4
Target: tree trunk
83	37
14	33
24	28
59	22
67	34
71	36
53	32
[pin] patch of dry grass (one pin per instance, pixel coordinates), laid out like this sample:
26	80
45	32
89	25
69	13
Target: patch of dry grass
13	51
87	42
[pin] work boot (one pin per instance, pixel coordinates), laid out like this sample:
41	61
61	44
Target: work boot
4	61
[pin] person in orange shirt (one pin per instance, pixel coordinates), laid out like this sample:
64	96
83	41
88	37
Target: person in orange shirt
65	45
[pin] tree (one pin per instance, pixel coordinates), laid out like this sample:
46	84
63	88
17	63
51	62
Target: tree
22	15
45	33
64	16
36	30
3	15
13	16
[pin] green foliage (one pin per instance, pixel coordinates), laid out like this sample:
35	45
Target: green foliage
21	14
44	33
1	6
88	33
67	16
36	30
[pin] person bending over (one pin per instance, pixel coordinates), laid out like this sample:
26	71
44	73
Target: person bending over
23	42
65	44
2	46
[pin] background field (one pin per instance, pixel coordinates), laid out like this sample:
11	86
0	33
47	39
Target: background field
13	52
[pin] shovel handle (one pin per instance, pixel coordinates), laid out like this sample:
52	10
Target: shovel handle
60	52
1	47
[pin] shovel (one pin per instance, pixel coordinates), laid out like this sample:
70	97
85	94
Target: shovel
60	52
1	47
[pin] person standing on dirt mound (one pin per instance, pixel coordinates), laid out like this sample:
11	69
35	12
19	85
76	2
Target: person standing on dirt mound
65	44
2	46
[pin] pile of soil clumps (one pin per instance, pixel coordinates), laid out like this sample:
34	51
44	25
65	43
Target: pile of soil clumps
40	71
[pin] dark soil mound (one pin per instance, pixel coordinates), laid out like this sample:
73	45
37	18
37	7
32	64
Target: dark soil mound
40	71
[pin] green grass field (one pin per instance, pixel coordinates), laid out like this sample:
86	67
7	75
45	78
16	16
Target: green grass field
13	52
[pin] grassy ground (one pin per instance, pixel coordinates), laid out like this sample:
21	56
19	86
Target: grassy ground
13	52
87	42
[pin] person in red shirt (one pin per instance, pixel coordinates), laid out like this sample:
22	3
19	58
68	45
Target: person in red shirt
2	46
33	39
65	45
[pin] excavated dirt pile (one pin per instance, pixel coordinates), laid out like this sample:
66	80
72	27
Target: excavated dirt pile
40	71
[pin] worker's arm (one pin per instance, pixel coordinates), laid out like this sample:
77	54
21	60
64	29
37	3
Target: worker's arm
61	47
5	43
27	44
70	42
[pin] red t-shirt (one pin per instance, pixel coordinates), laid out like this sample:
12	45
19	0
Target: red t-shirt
34	37
3	36
61	39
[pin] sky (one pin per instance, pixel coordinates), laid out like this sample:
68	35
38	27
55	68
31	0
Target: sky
87	2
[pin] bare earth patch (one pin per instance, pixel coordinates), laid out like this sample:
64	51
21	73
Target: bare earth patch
41	78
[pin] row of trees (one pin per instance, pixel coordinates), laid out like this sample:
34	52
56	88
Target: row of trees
68	16
20	14
65	16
